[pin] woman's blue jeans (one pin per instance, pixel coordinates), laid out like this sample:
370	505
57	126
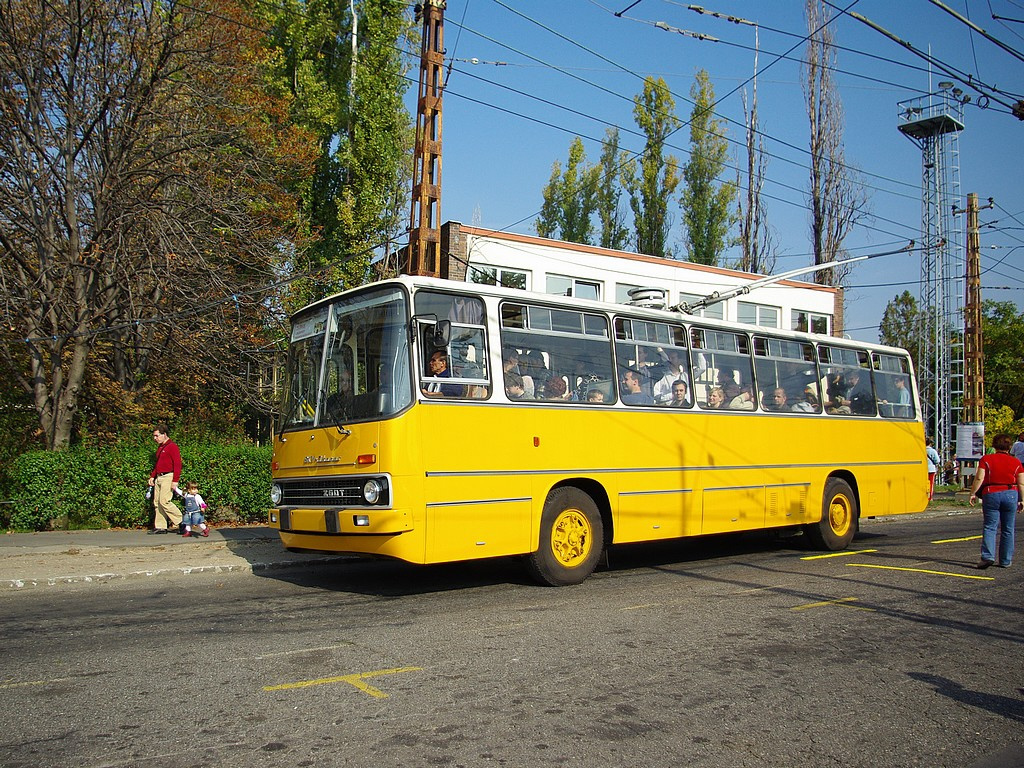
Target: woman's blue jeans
1000	512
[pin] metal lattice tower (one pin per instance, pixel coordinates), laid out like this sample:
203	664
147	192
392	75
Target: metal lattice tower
934	122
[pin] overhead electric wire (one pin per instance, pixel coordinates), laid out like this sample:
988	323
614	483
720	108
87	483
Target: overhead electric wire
573	132
684	123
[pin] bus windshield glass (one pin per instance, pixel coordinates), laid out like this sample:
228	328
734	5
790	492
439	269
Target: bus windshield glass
348	361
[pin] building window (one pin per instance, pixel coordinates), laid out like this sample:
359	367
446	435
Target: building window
757	314
509	278
622	292
811	321
716	311
561	285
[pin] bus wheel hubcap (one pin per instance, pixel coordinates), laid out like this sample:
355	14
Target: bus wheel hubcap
570	538
839	515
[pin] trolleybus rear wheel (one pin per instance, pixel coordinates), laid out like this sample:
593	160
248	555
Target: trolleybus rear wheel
839	517
571	539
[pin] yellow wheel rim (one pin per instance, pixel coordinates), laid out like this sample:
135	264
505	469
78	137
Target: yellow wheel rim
840	514
571	538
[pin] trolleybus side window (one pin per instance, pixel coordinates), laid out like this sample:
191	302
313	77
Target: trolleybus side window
563	355
787	376
657	353
457	367
846	379
727	381
892	381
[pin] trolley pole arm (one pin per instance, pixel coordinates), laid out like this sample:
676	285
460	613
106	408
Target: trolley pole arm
717	296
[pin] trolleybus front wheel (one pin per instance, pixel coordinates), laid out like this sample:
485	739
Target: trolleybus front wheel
571	539
839	517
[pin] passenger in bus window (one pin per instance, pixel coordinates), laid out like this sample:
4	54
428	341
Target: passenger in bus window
555	388
339	404
862	401
809	403
727	381
632	390
514	386
777	401
680	395
437	367
902	392
584	375
595	396
676	370
744	401
510	360
837	389
716	398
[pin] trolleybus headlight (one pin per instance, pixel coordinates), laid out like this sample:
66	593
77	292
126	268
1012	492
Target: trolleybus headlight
372	490
276	494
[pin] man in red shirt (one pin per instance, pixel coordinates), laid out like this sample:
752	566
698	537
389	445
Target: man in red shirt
164	479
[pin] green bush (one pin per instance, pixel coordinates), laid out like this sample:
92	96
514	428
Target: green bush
91	487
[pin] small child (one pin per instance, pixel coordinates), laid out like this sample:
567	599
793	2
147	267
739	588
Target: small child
194	508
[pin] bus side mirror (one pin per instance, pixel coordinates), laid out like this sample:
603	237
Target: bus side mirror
442	333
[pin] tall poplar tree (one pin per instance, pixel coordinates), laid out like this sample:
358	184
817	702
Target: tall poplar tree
608	192
837	201
569	199
652	181
706	202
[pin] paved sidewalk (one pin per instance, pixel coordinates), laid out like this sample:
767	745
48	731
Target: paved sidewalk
68	557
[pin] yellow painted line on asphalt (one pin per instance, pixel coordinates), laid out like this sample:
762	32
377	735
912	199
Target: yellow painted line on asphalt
953	541
354	680
25	684
839	554
921	570
844	601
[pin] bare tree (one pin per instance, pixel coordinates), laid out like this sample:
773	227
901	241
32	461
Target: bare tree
141	203
837	200
756	241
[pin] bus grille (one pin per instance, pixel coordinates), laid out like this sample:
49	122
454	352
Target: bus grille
330	492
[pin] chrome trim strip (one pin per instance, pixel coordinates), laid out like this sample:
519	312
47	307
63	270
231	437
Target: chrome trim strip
656	493
469	502
709	468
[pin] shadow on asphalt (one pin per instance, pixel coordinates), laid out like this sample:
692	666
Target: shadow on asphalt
391	578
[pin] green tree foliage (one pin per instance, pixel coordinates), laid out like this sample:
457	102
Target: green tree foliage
350	96
901	324
705	201
570	199
143	204
608	192
652	182
1003	345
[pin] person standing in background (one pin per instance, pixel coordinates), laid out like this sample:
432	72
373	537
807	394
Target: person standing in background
1017	449
934	462
999	482
164	480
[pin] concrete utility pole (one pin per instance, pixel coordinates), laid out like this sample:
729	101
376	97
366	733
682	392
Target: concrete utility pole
974	362
423	253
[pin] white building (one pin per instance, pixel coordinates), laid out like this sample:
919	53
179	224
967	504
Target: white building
586	271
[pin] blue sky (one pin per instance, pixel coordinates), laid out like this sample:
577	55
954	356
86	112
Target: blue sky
528	75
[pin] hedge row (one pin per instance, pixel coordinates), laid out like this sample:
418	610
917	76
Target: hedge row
106	487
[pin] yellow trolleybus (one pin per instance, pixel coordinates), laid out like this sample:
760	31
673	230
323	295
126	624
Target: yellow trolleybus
433	421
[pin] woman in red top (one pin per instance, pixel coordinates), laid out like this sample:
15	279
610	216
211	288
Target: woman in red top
1000	483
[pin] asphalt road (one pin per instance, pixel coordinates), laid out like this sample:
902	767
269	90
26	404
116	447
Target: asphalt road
727	652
